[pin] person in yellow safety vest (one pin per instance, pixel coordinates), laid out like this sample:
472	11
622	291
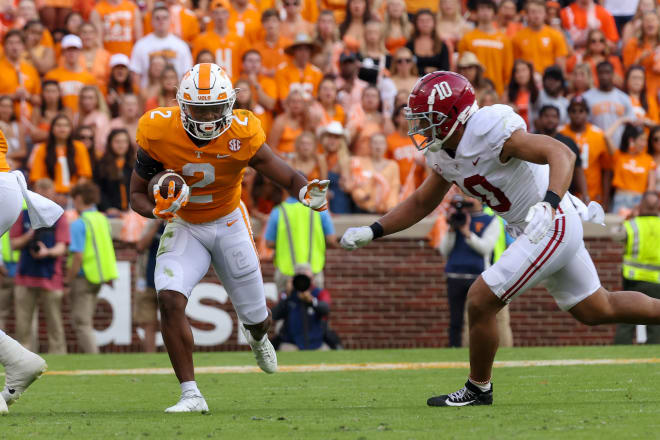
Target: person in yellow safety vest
92	262
641	263
298	235
7	270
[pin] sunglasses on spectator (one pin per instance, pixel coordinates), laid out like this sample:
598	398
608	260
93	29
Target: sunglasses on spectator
404	60
600	40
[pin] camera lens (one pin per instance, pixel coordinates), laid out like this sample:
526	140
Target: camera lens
301	282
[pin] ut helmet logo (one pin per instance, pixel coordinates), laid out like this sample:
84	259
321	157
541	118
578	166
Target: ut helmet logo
234	145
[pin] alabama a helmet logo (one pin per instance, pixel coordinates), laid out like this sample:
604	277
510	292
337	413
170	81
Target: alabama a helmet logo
234	145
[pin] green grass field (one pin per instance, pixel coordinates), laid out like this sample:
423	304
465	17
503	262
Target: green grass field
581	402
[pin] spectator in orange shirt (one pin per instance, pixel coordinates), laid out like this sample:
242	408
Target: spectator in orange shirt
42	57
351	30
583	15
634	168
20	79
645	50
398	28
538	43
366	119
492	47
94	58
596	51
246	100
645	105
70	75
294	23
331	47
634	26
183	22
61	159
290	124
401	149
262	87
522	92
119	23
299	73
326	109
42	115
507	18
272	45
244	18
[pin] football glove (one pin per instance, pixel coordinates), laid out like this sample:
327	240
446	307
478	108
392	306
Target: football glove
313	195
166	208
355	238
539	221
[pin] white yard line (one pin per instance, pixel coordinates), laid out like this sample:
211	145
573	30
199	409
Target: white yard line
369	366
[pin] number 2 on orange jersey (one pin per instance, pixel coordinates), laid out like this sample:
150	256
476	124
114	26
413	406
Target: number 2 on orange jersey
208	172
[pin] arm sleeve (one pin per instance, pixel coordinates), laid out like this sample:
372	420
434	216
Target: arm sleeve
77	236
271	226
326	223
485	244
146	166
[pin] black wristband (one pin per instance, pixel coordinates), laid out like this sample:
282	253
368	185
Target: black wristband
377	230
552	198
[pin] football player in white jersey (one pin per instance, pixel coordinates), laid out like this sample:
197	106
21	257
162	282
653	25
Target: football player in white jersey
22	366
524	178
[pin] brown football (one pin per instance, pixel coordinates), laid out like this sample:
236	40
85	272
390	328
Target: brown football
163	180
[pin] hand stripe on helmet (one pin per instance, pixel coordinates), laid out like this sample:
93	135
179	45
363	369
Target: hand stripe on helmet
204	82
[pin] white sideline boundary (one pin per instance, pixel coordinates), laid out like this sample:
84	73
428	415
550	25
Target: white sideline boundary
369	366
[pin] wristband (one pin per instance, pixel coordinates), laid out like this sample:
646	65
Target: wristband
377	230
552	198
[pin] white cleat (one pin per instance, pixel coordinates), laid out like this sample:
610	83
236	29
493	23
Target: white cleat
3	407
189	402
263	350
21	374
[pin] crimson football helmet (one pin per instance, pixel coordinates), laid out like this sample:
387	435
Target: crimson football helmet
438	104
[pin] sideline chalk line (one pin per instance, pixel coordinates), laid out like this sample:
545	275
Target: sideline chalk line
367	366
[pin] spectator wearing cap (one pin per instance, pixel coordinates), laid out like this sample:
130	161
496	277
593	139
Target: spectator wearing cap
349	86
40	55
491	46
551	94
20	80
607	103
547	124
643	50
334	143
120	83
469	66
299	73
159	42
183	22
93	57
226	46
70	74
294	23
537	42
119	23
594	152
272	43
430	52
583	15
645	104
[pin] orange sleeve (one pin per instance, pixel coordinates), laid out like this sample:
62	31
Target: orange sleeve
141	134
618	69
565	22
190	26
464	44
653	108
38	169
561	48
82	160
198	45
269	87
570	63
281	83
4	166
607	25
630	52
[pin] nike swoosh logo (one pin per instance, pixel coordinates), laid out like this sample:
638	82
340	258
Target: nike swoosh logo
474	162
231	222
222	156
450	403
11	390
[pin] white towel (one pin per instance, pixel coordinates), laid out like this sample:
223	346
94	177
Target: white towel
42	211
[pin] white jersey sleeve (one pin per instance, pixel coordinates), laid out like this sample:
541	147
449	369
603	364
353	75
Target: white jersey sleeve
490	128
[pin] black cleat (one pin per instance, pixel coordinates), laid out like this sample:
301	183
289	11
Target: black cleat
468	395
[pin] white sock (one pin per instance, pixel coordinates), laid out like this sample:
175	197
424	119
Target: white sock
191	385
482	386
10	350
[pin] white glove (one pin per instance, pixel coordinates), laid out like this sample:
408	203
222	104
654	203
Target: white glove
539	221
355	238
313	195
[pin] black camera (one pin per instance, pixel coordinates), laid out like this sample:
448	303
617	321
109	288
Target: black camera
40	236
301	282
458	219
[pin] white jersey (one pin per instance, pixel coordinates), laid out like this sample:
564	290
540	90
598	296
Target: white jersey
510	188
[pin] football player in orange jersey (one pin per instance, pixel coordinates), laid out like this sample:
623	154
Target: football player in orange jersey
22	366
210	145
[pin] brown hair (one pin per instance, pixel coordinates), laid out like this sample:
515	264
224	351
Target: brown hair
89	191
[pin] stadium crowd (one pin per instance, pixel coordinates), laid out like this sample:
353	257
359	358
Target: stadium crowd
329	81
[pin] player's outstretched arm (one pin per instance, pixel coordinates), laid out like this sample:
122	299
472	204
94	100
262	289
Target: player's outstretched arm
402	216
272	166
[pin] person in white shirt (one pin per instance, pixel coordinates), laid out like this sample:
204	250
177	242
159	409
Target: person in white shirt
159	42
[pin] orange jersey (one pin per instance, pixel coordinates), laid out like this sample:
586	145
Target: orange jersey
26	76
4	147
70	84
494	51
63	178
577	21
272	58
214	172
541	48
631	171
415	5
228	50
117	23
634	50
595	157
641	112
245	23
401	149
183	23
289	76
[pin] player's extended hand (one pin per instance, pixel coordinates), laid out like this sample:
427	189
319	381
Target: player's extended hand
313	195
539	221
355	238
166	208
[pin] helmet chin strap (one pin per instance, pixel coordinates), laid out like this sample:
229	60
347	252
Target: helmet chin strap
437	143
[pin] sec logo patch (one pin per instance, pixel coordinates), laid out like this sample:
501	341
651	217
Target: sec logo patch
235	145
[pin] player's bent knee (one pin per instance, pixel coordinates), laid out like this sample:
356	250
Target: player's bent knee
170	302
596	309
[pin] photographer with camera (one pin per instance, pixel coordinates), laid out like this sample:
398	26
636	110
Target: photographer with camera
39	276
468	246
304	310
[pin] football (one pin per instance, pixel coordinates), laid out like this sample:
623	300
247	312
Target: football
163	180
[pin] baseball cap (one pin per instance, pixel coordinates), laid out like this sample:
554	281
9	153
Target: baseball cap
334	128
119	59
70	41
216	4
